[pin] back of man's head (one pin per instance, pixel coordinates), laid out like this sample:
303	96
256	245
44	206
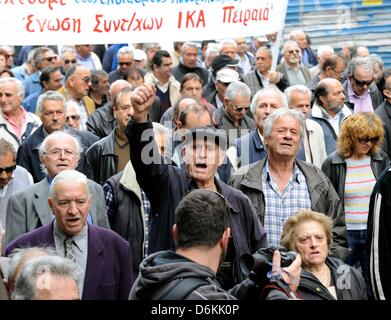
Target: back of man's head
201	219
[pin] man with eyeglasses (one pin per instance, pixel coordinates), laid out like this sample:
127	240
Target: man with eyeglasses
13	178
28	209
72	114
291	67
232	116
125	60
68	58
362	94
43	57
87	58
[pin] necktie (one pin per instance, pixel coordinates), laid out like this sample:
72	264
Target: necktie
69	249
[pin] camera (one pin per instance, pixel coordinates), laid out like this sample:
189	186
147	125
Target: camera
259	264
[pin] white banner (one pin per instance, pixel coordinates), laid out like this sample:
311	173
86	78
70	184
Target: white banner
44	22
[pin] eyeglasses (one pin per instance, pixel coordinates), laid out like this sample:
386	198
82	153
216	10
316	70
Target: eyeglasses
69	61
74	117
56	153
50	59
367	139
125	63
293	51
86	80
362	83
8	169
239	109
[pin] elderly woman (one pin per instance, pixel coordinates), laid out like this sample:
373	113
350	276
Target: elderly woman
353	169
322	277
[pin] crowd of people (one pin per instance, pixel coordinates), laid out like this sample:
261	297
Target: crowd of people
131	172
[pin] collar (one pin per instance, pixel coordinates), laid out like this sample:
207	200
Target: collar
78	239
295	172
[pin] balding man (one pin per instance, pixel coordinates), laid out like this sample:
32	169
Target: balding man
329	110
307	56
323	53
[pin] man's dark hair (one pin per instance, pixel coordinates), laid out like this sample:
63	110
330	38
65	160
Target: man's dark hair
158	58
201	219
6	147
96	75
332	61
320	91
190	76
45	75
196	108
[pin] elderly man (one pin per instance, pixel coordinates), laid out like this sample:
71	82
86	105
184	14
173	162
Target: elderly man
232	117
72	114
307	56
51	110
48	278
15	123
280	185
87	57
68	58
246	58
28	208
167	87
262	77
250	147
189	63
329	110
13	178
99	90
77	84
322	54
224	77
291	68
165	185
312	147
362	94
125	61
103	256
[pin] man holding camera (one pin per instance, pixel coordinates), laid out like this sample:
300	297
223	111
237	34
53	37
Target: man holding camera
202	234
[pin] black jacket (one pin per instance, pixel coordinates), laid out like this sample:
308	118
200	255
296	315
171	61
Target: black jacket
101	159
28	157
165	185
384	112
101	122
180	70
335	168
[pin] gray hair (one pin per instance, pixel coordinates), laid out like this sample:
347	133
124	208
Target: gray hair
230	42
66	49
375	58
95	75
322	50
48	96
235	89
69	103
212	48
297	88
19	85
280	113
260	93
188	45
71	177
126	50
266	49
20	256
289	43
196	108
26	285
359	62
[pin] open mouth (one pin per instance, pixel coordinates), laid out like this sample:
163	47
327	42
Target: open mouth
201	166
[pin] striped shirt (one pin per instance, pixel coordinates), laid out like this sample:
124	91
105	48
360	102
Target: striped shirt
359	184
279	207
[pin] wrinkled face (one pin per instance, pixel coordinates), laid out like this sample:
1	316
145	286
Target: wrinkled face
73	117
242	45
49	59
301	40
361	80
103	85
229	50
123	110
334	100
301	102
80	82
192	89
165	69
68	60
70	204
238	107
284	140
202	159
263	62
125	62
266	104
189	57
311	243
7	167
53	115
55	81
9	100
56	287
292	54
60	156
338	71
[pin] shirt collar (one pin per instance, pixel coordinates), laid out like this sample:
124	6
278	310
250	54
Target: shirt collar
295	173
78	239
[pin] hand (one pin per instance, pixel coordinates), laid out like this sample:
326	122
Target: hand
290	274
275	77
142	99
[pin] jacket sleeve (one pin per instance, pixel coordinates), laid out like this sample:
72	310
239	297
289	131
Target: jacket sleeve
15	218
100	205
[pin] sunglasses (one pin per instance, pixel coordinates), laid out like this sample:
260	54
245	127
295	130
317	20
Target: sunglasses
125	63
74	117
239	109
362	83
69	61
367	139
50	59
293	51
8	169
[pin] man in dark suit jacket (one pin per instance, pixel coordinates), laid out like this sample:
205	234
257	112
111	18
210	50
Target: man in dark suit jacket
104	256
51	110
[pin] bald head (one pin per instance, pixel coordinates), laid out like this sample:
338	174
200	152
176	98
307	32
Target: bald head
116	88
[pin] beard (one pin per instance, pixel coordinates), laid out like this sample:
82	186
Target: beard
335	109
